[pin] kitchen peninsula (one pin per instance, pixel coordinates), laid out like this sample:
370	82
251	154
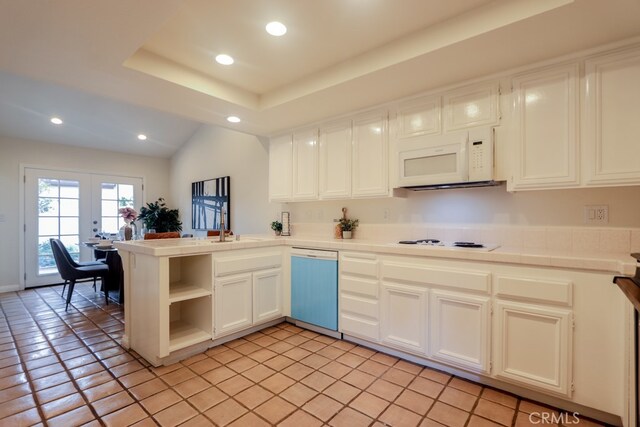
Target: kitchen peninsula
514	320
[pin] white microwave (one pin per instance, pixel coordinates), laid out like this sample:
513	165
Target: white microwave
457	159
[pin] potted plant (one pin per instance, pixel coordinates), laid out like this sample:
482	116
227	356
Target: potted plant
277	227
156	216
348	226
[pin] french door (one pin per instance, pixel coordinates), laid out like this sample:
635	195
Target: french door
72	207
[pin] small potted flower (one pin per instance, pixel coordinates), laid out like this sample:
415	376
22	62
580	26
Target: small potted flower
348	226
277	227
129	215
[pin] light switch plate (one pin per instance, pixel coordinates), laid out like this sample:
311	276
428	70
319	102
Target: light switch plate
2	218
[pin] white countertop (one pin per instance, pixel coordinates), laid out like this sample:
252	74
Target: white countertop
614	263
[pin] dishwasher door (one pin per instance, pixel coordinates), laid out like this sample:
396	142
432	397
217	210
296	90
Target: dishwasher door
314	287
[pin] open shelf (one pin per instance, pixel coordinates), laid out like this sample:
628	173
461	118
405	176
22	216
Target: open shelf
190	277
180	291
183	335
190	322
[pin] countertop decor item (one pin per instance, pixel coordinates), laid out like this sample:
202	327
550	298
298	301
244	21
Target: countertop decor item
129	229
158	217
286	223
277	227
347	226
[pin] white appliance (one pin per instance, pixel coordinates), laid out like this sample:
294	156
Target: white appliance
456	159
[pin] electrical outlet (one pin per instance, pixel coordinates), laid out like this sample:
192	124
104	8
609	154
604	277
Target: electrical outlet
2	218
385	215
596	214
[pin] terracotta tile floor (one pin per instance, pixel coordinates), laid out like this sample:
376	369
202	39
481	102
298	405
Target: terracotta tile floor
68	369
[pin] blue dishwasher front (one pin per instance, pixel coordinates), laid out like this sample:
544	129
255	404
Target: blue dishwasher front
314	287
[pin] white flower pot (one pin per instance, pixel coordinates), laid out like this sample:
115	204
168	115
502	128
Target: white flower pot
346	234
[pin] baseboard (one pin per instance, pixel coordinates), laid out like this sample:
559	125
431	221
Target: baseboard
10	288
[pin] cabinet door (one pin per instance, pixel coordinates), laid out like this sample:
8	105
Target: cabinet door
370	156
233	307
280	169
305	165
403	322
533	346
546	128
460	330
419	117
612	127
335	161
470	106
267	295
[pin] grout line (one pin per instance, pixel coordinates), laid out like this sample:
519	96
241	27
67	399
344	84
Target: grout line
99	360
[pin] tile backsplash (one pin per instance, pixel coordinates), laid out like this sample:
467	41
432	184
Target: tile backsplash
565	240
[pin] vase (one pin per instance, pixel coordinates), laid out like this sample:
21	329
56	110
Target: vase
128	231
346	234
278	233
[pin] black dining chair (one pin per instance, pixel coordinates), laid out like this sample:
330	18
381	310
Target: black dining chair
67	255
71	271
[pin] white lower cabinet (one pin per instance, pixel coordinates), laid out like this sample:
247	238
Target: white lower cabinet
267	295
533	346
359	296
403	322
247	289
233	308
460	329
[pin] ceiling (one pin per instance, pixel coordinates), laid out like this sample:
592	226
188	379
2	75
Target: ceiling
152	60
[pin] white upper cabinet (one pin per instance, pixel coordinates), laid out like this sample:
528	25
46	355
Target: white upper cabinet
335	161
470	106
305	165
545	128
370	155
612	119
419	117
280	169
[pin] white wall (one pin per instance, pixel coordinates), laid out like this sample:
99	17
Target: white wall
14	152
214	152
481	206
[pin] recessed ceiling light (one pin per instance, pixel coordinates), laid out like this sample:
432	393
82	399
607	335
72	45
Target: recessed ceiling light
142	137
56	120
233	119
224	59
276	28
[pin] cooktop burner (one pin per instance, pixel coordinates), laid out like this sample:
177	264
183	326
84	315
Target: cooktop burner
420	242
439	243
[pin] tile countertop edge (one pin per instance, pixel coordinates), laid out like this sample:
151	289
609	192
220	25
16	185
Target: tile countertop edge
613	263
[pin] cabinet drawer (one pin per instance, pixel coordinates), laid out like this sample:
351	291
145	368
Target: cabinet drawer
359	263
360	286
479	281
248	262
357	305
544	290
353	325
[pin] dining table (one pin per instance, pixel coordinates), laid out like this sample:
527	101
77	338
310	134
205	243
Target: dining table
114	282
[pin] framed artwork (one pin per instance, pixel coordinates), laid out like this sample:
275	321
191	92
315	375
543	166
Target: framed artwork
208	199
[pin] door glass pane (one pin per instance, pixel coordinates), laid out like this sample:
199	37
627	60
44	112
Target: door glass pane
114	197
48	187
69	226
58	217
48	206
69	207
